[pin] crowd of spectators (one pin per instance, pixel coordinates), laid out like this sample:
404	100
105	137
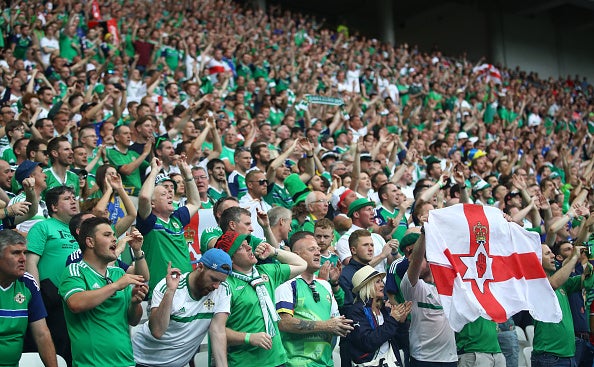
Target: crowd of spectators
170	114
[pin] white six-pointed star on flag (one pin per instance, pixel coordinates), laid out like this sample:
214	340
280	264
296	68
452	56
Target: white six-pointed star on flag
479	267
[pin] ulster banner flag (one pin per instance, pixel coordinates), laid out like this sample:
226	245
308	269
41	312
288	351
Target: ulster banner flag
485	266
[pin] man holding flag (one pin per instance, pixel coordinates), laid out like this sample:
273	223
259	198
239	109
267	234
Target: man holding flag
553	342
486	270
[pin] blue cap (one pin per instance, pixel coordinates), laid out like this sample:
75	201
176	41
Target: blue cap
216	259
24	171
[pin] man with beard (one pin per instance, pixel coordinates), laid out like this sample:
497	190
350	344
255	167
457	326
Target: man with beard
49	244
165	152
173	333
128	163
61	157
217	180
260	156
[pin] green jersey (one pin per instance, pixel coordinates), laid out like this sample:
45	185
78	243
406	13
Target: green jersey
276	116
478	336
21	304
295	298
132	182
53	180
52	241
279	196
554	338
382	215
101	335
164	241
8	156
229	154
246	316
215	194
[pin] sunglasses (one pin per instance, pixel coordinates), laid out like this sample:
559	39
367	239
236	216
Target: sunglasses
261	182
314	293
44	152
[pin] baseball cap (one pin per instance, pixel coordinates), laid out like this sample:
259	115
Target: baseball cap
480	185
25	169
462	135
161	177
510	195
216	259
365	156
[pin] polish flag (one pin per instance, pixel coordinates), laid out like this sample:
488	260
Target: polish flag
488	72
483	265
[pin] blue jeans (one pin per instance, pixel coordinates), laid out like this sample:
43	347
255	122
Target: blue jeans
508	341
550	360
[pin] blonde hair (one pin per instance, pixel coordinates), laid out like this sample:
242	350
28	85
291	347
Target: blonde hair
367	292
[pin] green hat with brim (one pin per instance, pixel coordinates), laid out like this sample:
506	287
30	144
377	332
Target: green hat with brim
359	204
296	188
338	132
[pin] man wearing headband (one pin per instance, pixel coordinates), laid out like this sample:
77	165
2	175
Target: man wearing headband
252	331
183	306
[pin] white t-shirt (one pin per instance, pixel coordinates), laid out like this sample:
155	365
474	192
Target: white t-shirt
188	324
51	43
430	335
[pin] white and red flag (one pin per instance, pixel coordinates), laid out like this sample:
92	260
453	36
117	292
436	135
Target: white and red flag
488	72
483	265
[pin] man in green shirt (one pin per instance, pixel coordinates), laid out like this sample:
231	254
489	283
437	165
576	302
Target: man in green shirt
21	304
99	302
253	337
162	226
308	309
128	163
554	343
49	244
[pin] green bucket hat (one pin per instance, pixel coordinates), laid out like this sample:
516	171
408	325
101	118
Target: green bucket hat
296	188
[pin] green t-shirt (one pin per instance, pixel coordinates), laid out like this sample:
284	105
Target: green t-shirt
215	195
101	335
246	316
52	241
382	215
8	156
66	50
132	182
228	153
315	350
276	116
478	336
53	180
21	304
555	338
164	241
279	196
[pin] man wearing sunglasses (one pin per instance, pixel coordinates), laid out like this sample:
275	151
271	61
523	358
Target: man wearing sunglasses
257	188
307	305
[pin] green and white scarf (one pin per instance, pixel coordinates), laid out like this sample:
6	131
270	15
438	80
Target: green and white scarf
266	305
324	100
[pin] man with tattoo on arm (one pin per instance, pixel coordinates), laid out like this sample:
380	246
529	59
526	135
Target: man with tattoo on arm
310	306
